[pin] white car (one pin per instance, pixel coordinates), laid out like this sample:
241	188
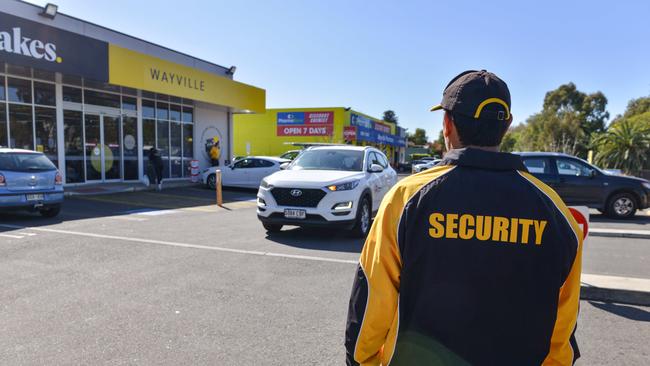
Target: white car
422	167
338	186
246	172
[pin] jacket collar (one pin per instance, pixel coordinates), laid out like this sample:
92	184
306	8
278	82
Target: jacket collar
477	158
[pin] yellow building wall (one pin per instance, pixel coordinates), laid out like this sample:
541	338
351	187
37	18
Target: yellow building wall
256	134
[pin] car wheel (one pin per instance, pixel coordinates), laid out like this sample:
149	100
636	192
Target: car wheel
364	219
50	211
212	181
272	228
622	206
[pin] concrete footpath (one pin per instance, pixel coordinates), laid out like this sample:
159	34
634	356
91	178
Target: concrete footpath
619	233
624	290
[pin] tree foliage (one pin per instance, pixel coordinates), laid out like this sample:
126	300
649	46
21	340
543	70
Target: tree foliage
625	145
568	119
419	137
390	116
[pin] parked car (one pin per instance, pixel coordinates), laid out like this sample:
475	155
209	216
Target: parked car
424	165
581	184
290	155
29	181
337	186
245	173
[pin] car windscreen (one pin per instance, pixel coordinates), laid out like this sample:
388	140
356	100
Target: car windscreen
25	162
330	159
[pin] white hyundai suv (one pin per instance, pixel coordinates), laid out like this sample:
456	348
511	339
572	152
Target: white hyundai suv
339	186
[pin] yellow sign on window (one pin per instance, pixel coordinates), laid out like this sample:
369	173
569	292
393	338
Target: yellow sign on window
136	70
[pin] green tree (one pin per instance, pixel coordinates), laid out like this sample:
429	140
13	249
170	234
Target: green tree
637	106
625	145
390	116
511	139
566	123
419	137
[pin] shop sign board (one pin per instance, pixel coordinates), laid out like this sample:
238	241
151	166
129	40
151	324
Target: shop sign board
139	71
349	133
32	44
320	123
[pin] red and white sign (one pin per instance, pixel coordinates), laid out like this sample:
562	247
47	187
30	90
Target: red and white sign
319	118
581	214
349	133
305	130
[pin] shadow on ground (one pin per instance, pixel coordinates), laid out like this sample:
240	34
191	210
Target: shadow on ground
640	219
318	239
625	311
115	204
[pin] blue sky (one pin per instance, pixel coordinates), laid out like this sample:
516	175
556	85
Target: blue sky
378	55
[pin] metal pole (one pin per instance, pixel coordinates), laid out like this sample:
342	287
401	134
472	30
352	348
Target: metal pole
218	185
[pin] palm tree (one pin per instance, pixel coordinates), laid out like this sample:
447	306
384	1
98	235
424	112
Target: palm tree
625	145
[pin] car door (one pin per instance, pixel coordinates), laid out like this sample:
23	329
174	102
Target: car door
260	169
374	180
389	174
237	176
579	183
543	169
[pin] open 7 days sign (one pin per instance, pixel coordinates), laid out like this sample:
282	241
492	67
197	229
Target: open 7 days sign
305	123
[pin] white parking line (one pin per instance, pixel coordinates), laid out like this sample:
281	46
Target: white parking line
11	236
184	245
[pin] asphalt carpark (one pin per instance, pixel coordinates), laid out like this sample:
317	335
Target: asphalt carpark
170	278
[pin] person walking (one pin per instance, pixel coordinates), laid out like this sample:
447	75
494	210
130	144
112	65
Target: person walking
472	262
156	161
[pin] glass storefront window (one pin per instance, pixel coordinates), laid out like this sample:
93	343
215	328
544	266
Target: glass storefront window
163	144
129	104
19	90
3	127
148	141
101	98
188	140
188	114
74	153
2	88
20	125
130	144
45	119
44	94
162	110
174	112
148	109
71	94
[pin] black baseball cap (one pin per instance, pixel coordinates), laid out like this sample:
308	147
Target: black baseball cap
470	92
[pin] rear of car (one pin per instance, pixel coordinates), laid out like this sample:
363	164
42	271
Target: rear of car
29	181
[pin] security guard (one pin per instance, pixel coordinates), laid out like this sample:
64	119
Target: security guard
473	262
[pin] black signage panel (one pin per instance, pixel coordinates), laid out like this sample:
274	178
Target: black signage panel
27	43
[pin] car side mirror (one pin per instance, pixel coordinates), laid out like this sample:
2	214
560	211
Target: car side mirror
232	167
375	168
284	166
592	174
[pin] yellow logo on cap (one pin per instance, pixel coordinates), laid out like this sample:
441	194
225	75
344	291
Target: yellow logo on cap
492	100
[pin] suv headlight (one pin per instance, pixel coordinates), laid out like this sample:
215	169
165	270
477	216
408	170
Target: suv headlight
265	184
646	185
347	186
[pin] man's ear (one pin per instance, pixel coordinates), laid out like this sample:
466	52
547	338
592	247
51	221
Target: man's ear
447	125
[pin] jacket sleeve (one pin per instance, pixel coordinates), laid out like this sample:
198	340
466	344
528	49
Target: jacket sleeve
372	313
564	348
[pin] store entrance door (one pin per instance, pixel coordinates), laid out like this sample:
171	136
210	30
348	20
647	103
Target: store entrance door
103	148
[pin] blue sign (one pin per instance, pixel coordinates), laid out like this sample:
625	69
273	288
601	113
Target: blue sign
291	118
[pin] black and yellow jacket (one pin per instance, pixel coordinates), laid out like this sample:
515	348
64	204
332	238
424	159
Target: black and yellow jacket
473	262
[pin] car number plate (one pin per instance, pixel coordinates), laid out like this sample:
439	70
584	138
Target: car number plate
35	197
295	214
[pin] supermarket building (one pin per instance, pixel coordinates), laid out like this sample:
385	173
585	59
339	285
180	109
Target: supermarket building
273	132
95	100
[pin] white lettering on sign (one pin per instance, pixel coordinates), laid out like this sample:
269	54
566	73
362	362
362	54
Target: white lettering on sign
15	42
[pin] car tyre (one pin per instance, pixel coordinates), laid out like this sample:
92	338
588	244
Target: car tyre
272	228
621	206
364	218
212	181
50	211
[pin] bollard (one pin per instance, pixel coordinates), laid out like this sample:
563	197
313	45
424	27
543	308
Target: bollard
218	186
